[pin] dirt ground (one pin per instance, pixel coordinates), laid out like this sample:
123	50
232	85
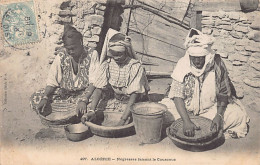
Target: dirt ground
24	140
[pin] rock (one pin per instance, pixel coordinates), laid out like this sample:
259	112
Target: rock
89	11
221	14
96	20
226	27
256	66
207	22
224	33
88	34
101	7
252	83
96	30
100	12
245	53
255	24
241	28
242	42
255	56
254	35
223	54
233	15
252	48
243	17
92	44
65	13
65	5
65	19
215	33
226	19
229	48
241	58
236	63
239	48
94	38
237	35
207	31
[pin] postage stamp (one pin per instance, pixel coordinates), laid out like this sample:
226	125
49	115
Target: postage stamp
19	23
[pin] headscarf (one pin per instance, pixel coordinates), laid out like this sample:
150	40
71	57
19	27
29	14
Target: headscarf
71	36
116	41
197	44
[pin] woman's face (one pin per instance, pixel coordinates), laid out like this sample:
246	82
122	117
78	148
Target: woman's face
119	57
74	50
198	62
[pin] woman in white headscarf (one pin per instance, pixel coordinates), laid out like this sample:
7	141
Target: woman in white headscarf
201	86
121	72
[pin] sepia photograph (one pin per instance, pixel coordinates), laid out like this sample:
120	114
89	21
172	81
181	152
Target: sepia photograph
125	82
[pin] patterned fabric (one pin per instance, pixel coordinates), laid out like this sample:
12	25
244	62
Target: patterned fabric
131	77
69	87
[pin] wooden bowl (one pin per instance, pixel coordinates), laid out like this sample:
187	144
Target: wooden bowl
77	132
104	125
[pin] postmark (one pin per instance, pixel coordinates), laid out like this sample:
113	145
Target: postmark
19	23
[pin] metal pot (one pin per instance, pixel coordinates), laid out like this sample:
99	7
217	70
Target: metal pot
77	132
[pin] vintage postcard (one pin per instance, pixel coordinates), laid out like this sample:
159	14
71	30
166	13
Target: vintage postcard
129	82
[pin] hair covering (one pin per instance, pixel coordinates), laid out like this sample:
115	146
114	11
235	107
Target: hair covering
197	44
71	36
116	41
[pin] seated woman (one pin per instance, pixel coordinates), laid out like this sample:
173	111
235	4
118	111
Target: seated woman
71	75
201	86
120	72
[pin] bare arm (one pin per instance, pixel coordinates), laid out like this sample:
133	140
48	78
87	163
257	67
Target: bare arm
188	126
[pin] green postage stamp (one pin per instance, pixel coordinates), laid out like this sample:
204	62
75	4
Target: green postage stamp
19	23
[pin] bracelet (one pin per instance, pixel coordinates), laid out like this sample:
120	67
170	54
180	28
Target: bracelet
85	100
221	116
45	97
91	110
123	119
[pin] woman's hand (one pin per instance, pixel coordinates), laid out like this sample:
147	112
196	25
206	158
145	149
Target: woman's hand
189	128
81	108
217	123
121	122
89	116
41	106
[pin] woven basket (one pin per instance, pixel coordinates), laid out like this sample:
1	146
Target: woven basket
61	114
202	135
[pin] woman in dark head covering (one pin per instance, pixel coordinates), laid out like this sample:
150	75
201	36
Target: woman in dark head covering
71	74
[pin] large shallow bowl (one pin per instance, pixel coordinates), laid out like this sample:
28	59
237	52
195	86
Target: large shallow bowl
77	132
105	128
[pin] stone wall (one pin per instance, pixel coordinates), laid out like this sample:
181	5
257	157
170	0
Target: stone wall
237	37
86	16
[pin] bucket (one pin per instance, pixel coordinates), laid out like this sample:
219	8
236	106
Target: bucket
148	120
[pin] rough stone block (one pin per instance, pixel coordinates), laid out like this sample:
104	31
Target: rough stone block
256	56
229	48
101	7
94	38
255	65
237	63
100	12
242	42
255	83
255	25
231	57
223	54
252	48
233	15
89	11
215	33
226	27
65	19
237	35
95	20
96	30
254	35
224	33
208	22
221	14
241	58
225	22
92	44
241	28
65	13
245	53
240	48
81	25
87	34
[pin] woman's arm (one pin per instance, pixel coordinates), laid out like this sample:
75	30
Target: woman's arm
49	90
188	126
127	111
